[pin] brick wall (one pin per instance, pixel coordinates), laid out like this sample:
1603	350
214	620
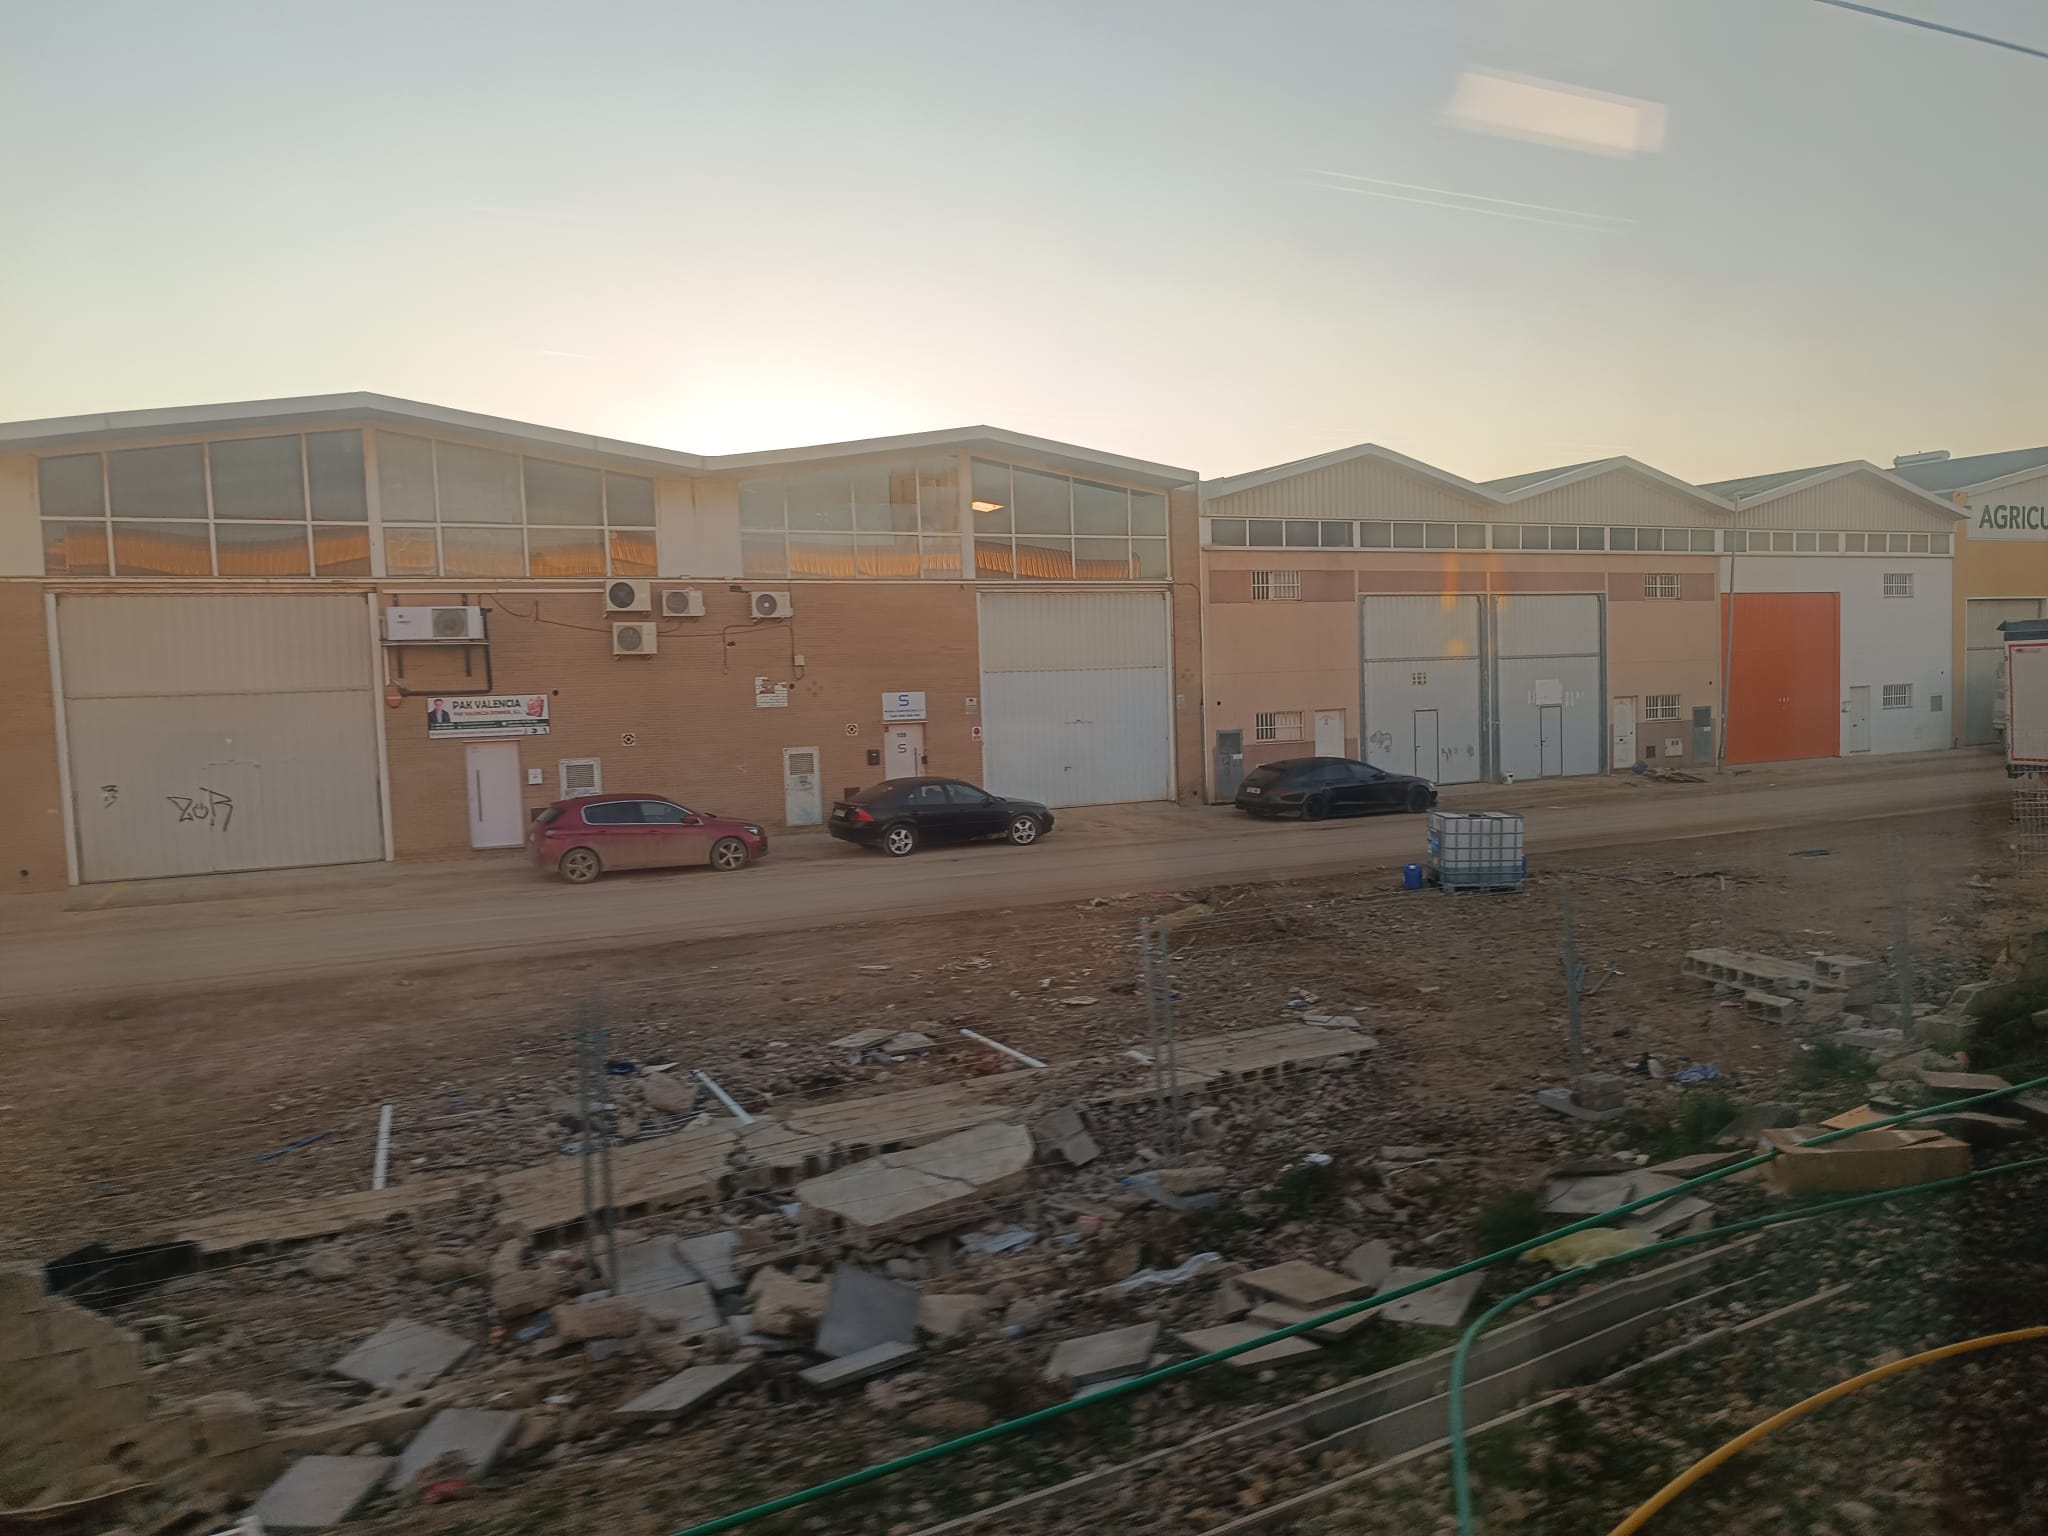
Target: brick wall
34	844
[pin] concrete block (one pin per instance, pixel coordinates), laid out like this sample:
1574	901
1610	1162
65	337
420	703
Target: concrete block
1103	1356
711	1255
684	1309
474	1435
783	1305
1441	1306
1063	1133
1298	1283
319	1491
1599	1090
1369	1262
950	1316
608	1317
522	1293
403	1356
683	1391
1560	1101
1668	1217
653	1265
1206	1340
860	1366
1961	1084
1275	1314
864	1310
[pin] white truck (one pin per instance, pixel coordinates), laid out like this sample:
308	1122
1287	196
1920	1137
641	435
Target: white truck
2024	697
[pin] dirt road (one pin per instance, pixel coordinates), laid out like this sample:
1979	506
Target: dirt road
51	955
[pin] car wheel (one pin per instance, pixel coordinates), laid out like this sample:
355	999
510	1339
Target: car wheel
580	866
900	840
1418	797
1315	808
1024	830
728	853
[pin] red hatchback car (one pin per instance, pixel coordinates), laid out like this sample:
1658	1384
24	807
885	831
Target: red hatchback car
583	838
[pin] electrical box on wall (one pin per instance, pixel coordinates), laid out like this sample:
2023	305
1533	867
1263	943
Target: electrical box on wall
422	625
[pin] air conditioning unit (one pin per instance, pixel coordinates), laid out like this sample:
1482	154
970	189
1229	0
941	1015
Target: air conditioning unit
633	639
682	603
628	597
420	625
772	605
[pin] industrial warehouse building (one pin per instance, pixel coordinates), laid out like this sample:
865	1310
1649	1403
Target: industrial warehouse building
345	628
1572	620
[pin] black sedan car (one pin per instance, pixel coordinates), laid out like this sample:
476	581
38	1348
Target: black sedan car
899	815
1315	787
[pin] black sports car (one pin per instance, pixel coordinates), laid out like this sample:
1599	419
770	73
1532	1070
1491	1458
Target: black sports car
1315	787
898	815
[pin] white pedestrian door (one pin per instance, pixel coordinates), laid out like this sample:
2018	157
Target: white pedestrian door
1624	734
802	801
1859	719
1550	741
1329	733
903	752
495	817
1426	754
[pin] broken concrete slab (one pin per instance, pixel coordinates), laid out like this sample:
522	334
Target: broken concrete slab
1603	1192
683	1391
606	1317
1369	1262
1669	1216
1064	1133
906	1043
1890	1158
784	1306
951	1316
864	1310
1960	1084
1441	1306
647	1175
711	1255
474	1435
316	1492
924	1189
1866	1038
994	1158
1298	1283
1277	1314
1976	1127
1683	1168
1224	1335
521	1294
652	1265
1599	1091
669	1094
1560	1101
859	1366
862	1039
403	1356
1103	1356
1189	1181
684	1309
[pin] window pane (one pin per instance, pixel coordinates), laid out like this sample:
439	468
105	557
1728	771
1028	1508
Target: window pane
563	493
991	497
1919	544
334	471
1899	543
1407	535
1100	509
1227	530
812	553
1375	535
992	558
1852	543
408	551
262	549
822	502
258	477
341	550
158	482
1596	538
761	504
1649	538
1103	560
1702	540
761	553
1302	535
405	479
885	500
1265	533
632	551
1507	536
477	486
1043	502
1781	543
71	486
1621	538
1731	540
75	549
1148	513
1338	535
565	551
482	552
1440	535
1831	543
938	495
1936	542
1807	543
1471	535
161	549
891	556
628	501
1043	556
1534	537
941	557
1149	556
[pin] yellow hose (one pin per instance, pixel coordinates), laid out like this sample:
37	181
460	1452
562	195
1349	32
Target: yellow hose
1742	1442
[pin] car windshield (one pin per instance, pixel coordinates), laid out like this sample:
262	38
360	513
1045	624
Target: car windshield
1267	773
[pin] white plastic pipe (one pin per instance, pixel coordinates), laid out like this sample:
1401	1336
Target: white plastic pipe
1029	1061
725	1098
383	1148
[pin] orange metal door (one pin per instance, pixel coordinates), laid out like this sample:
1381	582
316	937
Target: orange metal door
1784	675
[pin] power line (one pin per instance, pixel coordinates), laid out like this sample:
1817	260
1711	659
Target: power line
1936	26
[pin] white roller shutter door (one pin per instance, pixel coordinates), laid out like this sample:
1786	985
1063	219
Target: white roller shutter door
1077	696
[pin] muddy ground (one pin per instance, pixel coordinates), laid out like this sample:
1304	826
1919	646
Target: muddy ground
121	1121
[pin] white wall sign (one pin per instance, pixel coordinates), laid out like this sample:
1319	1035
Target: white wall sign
1993	519
1549	690
474	715
767	697
902	706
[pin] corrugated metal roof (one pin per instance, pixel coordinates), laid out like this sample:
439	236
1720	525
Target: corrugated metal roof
1538	476
1975	469
1756	485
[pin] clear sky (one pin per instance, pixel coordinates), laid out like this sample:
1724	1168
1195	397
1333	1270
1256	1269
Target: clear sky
1185	230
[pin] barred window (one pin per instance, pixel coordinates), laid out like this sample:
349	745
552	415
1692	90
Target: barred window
1663	585
1898	695
1275	586
1898	583
1281	725
1660	706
